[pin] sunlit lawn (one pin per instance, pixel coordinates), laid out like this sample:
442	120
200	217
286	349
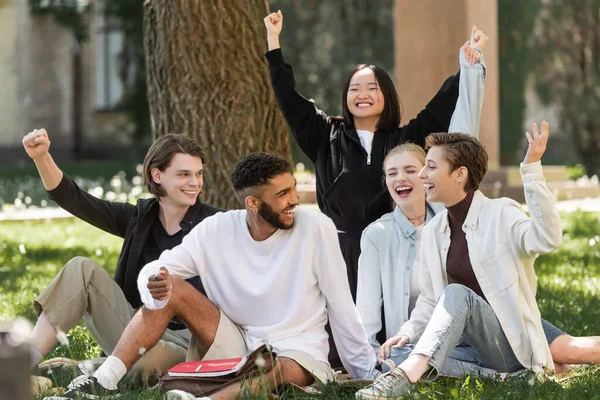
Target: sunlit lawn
32	252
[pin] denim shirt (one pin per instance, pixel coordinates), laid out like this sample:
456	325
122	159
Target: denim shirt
388	250
388	245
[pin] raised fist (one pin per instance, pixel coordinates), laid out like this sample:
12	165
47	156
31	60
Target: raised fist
36	143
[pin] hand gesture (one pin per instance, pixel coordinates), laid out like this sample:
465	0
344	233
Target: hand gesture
478	39
274	23
160	284
36	143
537	144
398	341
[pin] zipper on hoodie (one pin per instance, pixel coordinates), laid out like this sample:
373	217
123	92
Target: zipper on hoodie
368	159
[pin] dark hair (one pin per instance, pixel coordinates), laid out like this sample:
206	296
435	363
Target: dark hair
391	114
161	153
462	150
257	169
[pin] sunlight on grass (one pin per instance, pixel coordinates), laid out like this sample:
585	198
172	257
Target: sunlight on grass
32	252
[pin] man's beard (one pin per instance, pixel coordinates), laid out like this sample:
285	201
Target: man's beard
267	213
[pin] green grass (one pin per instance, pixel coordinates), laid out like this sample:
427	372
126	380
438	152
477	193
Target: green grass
32	252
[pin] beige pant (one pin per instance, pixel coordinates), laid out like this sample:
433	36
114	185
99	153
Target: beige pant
83	289
229	343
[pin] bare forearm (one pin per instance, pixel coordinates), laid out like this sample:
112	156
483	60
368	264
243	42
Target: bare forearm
49	172
273	41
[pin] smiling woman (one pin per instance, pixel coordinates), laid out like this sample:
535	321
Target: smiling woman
348	151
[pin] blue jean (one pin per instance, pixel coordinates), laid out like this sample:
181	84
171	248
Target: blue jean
463	361
462	317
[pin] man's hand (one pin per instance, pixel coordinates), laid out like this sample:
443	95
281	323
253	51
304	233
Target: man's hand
160	285
398	341
537	144
36	143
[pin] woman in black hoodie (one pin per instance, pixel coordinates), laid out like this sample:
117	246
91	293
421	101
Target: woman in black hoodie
348	151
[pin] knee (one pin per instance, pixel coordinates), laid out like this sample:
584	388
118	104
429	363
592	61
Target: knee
81	265
287	371
457	291
180	292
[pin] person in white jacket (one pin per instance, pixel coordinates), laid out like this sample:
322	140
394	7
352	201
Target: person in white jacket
476	277
273	273
389	265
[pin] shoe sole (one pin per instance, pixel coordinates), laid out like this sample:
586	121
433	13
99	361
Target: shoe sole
86	396
370	397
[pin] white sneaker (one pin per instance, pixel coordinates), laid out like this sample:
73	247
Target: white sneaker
181	395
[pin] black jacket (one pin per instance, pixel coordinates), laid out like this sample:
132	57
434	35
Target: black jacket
350	189
131	222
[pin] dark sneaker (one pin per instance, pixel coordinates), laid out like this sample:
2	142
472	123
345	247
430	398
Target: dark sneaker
86	387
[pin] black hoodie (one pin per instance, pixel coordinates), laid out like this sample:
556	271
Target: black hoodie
350	187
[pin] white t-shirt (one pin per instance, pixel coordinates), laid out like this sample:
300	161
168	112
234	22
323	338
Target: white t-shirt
414	280
280	290
366	140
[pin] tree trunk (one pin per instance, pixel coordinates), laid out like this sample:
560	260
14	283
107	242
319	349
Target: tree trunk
208	78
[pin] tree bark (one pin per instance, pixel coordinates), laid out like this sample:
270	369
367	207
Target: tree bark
208	78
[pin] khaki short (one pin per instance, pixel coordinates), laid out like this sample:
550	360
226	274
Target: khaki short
229	343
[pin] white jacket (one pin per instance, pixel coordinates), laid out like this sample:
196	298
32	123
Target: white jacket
503	244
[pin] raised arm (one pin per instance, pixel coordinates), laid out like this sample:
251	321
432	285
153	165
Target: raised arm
37	146
438	113
369	295
542	232
111	217
309	125
467	114
357	356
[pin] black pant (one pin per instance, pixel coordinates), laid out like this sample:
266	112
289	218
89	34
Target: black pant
350	246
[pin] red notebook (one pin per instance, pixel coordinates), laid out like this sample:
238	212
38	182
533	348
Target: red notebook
208	367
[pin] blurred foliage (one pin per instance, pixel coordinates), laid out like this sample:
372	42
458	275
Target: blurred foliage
516	20
575	172
567	71
71	14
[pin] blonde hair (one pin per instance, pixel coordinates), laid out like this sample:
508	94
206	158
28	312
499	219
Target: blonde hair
407	147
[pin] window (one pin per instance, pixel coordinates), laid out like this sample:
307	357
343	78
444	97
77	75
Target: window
109	43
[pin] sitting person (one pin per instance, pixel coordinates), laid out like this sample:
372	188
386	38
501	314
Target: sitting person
273	272
390	250
390	260
387	268
173	170
476	276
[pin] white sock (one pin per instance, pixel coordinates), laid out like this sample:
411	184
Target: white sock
110	373
36	356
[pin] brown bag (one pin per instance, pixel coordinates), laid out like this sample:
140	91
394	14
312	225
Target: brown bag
207	385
